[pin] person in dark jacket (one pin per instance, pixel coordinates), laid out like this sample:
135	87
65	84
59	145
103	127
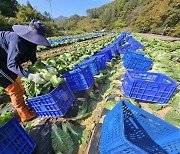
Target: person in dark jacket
16	48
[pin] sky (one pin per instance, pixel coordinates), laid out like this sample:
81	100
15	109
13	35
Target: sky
65	8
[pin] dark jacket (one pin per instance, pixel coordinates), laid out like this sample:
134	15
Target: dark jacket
14	50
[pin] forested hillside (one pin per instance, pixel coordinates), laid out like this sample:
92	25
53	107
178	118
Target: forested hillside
12	13
148	16
154	16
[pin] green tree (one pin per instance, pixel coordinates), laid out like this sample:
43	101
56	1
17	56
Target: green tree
71	23
47	15
8	8
4	25
93	13
26	13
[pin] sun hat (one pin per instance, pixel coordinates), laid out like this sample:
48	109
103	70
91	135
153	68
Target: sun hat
35	32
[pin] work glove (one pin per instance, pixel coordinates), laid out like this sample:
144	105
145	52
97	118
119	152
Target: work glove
36	78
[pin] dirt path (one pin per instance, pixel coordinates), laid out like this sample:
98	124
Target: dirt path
159	37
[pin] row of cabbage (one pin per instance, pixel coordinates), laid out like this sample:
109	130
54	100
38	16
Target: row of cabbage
60	65
61	41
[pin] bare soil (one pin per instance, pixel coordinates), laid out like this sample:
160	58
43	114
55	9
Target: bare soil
160	113
159	37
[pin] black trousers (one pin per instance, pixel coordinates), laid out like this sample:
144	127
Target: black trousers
7	77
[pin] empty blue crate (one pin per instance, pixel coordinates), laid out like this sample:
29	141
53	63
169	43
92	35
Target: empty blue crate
14	139
138	64
101	59
118	48
121	38
92	63
148	86
112	48
110	51
107	53
129	54
54	104
136	46
115	48
79	78
130	129
117	44
124	48
128	33
134	43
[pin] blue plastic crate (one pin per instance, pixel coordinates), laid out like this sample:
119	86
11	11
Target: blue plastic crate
54	104
111	51
121	38
129	129
128	33
107	53
129	54
129	38
118	48
124	48
101	59
79	79
136	46
115	48
134	43
148	86
14	139
138	64
112	48
92	63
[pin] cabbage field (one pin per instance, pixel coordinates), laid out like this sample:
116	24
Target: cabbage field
76	131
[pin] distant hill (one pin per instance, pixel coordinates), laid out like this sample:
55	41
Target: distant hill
148	16
60	19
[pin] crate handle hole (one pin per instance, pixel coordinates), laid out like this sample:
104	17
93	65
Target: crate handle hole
145	117
37	100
